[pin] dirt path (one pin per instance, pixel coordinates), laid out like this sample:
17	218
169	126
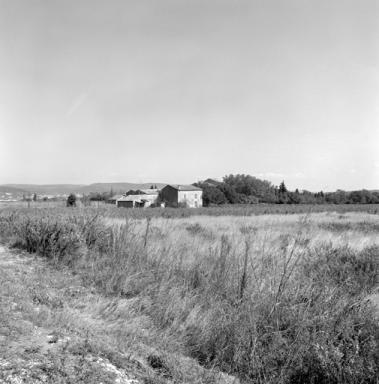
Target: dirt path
53	329
37	345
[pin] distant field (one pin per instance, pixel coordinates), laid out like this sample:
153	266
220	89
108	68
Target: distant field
240	210
266	293
223	210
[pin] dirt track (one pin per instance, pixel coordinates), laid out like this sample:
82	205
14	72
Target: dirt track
35	345
55	330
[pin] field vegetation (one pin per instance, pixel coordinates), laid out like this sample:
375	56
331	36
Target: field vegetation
252	291
110	210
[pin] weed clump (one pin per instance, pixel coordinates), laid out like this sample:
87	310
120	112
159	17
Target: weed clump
345	269
197	229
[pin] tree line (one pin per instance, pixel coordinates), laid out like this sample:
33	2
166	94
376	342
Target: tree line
247	189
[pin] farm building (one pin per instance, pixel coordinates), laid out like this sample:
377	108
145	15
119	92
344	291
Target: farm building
139	198
113	199
186	195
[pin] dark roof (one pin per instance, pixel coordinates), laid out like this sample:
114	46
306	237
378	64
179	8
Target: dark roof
115	197
150	191
211	182
143	192
185	187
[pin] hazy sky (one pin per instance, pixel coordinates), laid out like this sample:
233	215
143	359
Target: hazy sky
181	90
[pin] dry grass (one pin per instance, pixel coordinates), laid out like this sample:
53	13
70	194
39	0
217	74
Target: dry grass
97	339
270	299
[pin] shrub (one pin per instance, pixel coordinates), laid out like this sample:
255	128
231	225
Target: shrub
71	200
52	238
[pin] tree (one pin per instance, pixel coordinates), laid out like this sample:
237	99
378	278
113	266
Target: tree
229	192
255	189
294	198
34	197
282	188
338	197
99	196
283	194
319	197
213	195
71	200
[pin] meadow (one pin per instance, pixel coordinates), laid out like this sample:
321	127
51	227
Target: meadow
110	210
267	294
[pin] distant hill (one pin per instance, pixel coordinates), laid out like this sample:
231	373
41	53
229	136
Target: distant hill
11	193
48	189
65	189
117	187
10	189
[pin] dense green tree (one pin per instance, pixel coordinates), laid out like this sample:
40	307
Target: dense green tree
248	185
337	197
213	195
294	198
282	188
229	192
362	197
283	196
246	189
100	196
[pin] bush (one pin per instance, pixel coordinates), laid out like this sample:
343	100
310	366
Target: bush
71	200
50	237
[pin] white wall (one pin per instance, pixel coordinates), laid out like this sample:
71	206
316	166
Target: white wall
192	198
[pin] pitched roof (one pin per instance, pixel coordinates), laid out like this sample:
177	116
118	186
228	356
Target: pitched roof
131	198
139	198
211	182
185	187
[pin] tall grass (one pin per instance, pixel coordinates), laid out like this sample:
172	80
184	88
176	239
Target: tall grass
281	311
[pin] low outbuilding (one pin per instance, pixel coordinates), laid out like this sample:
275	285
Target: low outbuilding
113	199
138	199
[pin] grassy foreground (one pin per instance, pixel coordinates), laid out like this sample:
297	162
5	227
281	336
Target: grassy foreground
268	299
55	330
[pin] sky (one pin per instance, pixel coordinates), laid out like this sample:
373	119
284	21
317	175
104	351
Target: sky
178	91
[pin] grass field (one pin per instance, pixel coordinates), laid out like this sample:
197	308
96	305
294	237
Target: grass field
222	210
266	294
